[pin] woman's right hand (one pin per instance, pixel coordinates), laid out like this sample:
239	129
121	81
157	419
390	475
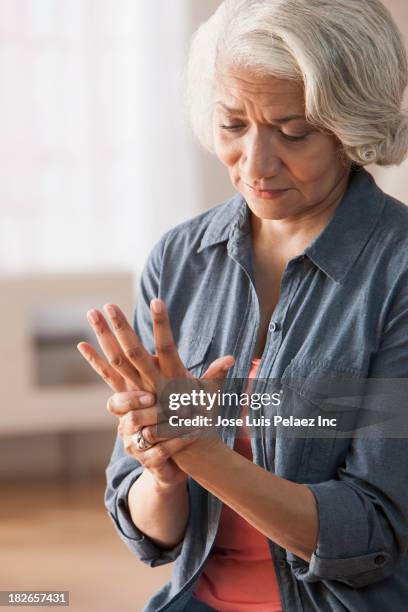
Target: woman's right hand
135	414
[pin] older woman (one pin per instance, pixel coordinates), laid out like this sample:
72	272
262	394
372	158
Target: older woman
301	276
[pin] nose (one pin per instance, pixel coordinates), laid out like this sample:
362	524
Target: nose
260	159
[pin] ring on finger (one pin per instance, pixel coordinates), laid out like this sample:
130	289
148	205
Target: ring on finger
141	442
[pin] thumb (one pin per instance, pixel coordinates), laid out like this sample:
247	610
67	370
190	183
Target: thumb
219	368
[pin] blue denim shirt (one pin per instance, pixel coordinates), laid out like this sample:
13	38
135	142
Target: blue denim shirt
343	309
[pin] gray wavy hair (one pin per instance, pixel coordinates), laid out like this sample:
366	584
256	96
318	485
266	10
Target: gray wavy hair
349	55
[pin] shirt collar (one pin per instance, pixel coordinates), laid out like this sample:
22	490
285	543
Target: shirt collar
337	246
227	218
340	243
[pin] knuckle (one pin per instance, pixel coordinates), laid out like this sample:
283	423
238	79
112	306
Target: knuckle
91	359
132	421
133	352
134	418
128	444
149	434
116	361
167	348
126	425
117	324
148	463
161	452
99	330
105	375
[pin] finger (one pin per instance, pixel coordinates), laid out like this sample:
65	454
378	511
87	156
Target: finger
171	365
219	368
130	344
121	403
108	343
155	456
105	371
134	420
164	431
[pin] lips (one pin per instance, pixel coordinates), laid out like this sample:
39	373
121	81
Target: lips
270	192
267	194
266	190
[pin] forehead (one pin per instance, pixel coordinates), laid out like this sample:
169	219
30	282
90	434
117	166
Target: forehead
239	88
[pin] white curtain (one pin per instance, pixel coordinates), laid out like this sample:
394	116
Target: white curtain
96	159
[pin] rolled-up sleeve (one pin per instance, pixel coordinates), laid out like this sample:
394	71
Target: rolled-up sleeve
363	512
123	470
121	473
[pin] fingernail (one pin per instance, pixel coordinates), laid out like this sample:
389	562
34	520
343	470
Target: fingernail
156	306
93	316
146	400
110	310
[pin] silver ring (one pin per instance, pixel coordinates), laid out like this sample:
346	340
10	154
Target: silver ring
141	442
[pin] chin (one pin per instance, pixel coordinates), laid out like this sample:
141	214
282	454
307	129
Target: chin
270	210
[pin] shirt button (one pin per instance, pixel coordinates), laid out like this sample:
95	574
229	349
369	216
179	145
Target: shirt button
273	326
379	560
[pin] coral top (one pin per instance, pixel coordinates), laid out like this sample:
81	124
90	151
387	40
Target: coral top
239	575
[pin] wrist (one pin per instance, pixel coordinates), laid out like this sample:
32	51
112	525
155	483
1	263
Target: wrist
166	489
199	449
202	443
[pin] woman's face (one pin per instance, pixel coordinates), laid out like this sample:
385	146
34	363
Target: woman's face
263	138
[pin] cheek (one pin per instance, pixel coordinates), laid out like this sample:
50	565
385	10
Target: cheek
320	161
226	151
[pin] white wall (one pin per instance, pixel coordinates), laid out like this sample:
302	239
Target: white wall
393	180
97	163
97	160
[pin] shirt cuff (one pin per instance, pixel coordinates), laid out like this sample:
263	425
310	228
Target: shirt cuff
344	551
139	543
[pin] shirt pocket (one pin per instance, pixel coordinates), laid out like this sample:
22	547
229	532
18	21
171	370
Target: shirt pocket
193	351
328	398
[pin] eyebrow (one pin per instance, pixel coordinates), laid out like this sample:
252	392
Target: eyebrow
239	111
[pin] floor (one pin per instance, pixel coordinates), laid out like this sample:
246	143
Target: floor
58	536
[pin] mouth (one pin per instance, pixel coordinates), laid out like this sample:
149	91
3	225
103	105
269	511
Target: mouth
267	193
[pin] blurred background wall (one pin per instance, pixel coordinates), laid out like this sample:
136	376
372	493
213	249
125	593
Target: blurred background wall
97	162
92	131
393	180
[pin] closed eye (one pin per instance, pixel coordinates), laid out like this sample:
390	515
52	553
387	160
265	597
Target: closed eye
292	138
235	128
232	128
